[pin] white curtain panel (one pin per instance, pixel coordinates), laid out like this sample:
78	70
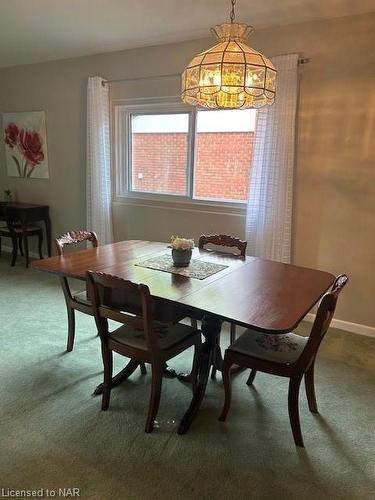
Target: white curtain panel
98	169
269	209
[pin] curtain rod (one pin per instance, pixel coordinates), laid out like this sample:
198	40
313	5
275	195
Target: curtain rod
304	60
151	77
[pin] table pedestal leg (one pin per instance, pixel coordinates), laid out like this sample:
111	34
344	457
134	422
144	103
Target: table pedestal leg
130	368
218	358
211	326
120	377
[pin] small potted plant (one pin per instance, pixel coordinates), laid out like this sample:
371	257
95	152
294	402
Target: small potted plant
181	251
8	197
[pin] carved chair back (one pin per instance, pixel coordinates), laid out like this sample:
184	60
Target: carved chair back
223	240
322	321
74	237
101	287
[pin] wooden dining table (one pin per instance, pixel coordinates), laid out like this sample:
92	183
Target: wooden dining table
254	293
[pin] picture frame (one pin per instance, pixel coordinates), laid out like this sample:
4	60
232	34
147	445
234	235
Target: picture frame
25	140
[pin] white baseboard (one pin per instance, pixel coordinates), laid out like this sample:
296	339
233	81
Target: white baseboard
5	248
368	331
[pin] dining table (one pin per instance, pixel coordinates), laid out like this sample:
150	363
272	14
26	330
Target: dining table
252	292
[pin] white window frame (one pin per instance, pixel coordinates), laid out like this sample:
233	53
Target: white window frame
122	113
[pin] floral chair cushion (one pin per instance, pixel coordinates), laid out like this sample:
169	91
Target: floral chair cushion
168	335
282	348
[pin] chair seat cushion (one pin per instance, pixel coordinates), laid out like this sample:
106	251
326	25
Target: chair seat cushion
283	348
82	298
169	335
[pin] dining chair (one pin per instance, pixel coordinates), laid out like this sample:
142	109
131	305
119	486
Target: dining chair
222	240
287	355
19	235
74	301
140	337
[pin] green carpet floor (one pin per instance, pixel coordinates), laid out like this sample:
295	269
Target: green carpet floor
53	434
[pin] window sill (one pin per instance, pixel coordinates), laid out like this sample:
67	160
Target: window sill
182	204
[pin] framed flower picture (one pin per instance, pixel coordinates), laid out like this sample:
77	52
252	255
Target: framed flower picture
25	141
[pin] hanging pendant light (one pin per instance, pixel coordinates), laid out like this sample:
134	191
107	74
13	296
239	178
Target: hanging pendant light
231	74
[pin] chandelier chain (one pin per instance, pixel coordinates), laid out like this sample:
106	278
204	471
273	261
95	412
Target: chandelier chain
232	13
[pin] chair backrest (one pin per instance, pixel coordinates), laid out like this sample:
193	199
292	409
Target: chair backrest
100	289
322	320
223	240
74	237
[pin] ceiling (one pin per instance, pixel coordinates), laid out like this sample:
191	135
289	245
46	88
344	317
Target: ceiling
42	30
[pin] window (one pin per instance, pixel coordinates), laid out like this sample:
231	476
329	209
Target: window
174	150
159	153
223	153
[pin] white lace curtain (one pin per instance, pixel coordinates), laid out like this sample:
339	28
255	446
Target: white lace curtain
269	210
98	168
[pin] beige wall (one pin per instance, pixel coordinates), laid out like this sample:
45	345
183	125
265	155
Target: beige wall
334	210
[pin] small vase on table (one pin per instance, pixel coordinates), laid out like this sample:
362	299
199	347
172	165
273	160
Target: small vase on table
181	258
182	249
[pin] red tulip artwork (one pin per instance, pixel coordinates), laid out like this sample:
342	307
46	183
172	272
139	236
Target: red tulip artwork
25	144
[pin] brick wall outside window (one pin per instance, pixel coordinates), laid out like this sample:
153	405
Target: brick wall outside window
222	163
159	162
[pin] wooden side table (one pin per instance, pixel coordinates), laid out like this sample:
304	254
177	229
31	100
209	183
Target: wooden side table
28	213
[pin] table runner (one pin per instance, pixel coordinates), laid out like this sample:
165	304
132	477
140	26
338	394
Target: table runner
197	269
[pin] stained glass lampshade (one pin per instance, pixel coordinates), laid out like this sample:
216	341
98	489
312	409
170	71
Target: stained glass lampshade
231	74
